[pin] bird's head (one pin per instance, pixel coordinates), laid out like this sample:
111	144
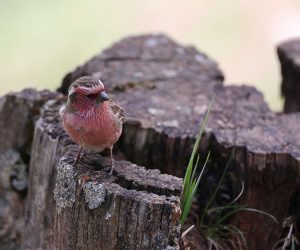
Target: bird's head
86	92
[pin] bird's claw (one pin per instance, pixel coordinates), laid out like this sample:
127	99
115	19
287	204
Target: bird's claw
111	170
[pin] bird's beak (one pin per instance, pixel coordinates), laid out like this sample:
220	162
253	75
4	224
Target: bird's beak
103	97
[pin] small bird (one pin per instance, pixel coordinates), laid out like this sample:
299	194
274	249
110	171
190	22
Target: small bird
90	118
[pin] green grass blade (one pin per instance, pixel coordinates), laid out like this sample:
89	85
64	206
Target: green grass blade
196	145
200	175
229	214
236	231
221	208
293	244
191	193
260	212
190	182
212	198
239	195
187	180
242	237
187	206
195	167
187	177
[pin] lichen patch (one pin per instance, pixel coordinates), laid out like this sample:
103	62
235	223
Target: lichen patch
94	194
65	186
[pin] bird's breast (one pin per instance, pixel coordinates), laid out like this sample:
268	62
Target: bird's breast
96	129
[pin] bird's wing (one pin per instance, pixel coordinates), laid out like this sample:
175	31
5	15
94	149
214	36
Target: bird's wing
118	111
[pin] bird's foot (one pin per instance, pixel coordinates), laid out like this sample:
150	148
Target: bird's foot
75	163
78	157
111	161
111	170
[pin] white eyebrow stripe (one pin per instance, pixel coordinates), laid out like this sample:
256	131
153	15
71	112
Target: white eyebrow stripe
88	89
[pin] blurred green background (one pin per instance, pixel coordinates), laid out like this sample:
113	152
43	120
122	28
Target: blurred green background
40	41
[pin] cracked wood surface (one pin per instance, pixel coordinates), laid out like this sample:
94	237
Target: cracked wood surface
18	111
165	89
83	207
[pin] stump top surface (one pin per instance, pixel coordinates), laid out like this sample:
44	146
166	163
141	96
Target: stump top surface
167	87
126	174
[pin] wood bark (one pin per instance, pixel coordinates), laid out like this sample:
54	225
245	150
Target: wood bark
83	207
165	89
18	112
289	57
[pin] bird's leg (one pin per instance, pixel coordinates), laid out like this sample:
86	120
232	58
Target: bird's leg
111	160
78	157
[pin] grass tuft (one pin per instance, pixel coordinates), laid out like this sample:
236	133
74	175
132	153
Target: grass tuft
191	181
213	223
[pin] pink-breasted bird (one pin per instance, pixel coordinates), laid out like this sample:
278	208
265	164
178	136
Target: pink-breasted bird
90	118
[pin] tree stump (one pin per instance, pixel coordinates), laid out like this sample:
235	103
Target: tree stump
18	112
83	207
289	56
165	89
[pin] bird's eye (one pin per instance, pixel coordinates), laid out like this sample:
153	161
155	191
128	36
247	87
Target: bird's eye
90	96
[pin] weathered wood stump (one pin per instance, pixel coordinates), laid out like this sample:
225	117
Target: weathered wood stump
83	207
165	90
18	112
289	56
